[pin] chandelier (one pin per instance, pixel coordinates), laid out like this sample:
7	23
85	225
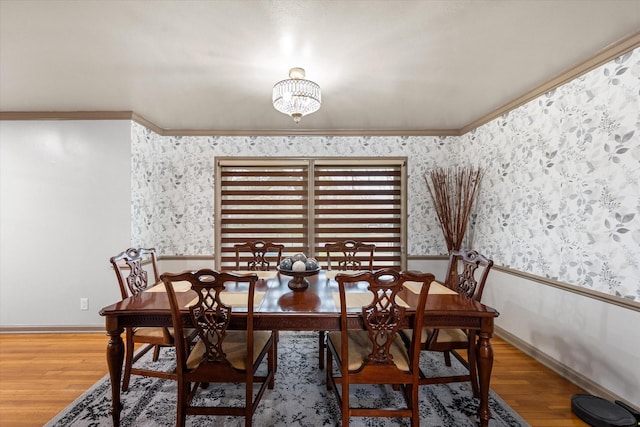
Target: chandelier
296	97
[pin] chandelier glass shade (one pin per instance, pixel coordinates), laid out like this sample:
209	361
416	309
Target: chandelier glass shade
296	97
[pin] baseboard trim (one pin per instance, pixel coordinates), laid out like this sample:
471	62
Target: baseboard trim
559	368
58	329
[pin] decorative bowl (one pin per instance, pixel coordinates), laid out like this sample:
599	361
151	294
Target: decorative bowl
299	283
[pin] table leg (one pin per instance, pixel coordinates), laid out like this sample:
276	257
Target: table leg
485	364
115	356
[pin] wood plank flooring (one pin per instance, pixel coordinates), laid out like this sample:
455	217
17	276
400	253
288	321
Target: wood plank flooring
40	374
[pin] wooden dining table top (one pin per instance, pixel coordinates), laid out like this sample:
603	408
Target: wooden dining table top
275	298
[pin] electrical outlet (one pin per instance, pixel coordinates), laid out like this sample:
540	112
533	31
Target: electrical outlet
84	303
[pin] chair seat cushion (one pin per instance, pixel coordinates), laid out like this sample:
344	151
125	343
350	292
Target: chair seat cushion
447	335
360	348
235	348
444	335
149	333
143	333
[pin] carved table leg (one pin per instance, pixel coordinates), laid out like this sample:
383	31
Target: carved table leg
115	356
485	364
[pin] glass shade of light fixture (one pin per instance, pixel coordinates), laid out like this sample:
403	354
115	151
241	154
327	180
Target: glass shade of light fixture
296	97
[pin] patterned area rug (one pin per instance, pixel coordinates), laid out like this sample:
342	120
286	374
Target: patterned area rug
300	397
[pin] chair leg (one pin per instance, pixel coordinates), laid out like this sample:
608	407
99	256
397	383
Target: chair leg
248	404
156	352
276	339
415	413
447	358
184	390
329	369
321	349
271	363
345	402
128	361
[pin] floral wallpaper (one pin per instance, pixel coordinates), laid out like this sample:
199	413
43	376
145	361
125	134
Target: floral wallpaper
572	156
173	188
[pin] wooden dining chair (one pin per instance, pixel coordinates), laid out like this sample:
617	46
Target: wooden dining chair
137	271
347	255
259	255
466	274
350	255
221	355
377	354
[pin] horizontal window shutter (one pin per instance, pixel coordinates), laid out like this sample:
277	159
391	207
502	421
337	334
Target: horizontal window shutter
262	201
361	202
306	203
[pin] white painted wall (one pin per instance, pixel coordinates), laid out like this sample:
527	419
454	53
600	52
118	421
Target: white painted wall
65	208
180	265
594	340
594	343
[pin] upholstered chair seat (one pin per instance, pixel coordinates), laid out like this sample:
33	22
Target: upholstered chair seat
360	348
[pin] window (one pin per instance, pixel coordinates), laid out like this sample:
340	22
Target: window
305	203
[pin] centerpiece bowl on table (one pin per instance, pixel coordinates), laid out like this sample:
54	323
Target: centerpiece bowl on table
299	267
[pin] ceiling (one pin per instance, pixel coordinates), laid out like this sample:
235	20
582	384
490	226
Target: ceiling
383	66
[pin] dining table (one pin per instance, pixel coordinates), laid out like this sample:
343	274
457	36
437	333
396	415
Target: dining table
279	307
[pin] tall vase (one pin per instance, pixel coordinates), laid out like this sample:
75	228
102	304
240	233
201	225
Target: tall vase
453	191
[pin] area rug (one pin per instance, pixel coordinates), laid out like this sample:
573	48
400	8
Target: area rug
300	397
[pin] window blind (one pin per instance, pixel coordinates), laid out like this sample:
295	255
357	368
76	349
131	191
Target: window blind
305	203
362	202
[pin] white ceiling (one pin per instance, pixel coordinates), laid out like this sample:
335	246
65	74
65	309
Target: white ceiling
211	65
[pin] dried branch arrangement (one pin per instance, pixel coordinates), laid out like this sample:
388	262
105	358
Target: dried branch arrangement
453	191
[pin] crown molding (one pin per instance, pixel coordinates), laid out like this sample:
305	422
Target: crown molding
607	54
146	123
312	132
602	57
67	115
133	116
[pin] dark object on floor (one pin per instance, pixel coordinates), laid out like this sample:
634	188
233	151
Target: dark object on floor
598	412
633	412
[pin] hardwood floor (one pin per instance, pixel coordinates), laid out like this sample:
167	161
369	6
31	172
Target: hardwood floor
40	374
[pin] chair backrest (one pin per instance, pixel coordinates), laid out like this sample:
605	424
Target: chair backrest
467	272
139	262
207	313
349	255
258	255
385	316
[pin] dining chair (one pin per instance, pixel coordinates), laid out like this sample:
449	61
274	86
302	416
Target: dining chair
466	274
221	355
348	255
376	354
257	255
136	270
